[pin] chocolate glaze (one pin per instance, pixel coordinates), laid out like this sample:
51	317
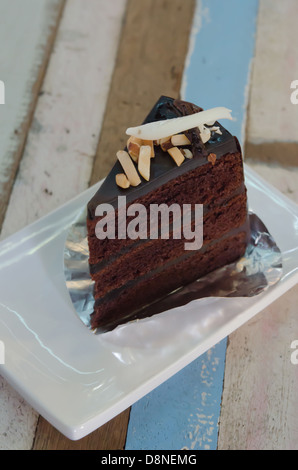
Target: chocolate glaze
163	168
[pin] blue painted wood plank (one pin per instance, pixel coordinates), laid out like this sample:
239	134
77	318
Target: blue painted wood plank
221	52
183	413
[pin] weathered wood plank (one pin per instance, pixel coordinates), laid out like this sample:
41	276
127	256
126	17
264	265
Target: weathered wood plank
110	436
259	403
61	144
218	72
213	77
150	64
131	96
183	412
62	141
27	33
259	407
272	123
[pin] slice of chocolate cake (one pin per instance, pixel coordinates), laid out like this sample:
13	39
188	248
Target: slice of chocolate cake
135	259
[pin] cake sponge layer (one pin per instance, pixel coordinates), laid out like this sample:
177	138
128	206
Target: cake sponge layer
126	303
146	256
210	185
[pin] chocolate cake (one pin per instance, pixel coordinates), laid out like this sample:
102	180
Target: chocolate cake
199	168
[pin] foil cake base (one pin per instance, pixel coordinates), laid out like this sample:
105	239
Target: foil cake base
259	269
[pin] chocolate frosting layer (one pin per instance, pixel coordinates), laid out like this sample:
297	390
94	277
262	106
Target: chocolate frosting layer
163	168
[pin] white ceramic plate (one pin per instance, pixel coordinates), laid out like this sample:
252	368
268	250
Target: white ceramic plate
78	380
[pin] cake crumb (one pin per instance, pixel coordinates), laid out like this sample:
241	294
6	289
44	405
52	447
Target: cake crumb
212	158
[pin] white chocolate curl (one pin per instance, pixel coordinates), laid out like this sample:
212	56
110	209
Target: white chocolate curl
160	129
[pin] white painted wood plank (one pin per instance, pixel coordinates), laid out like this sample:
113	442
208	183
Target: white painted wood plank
24	32
25	29
283	178
273	118
59	152
259	408
61	144
259	404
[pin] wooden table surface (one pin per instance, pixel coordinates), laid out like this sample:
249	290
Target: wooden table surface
77	73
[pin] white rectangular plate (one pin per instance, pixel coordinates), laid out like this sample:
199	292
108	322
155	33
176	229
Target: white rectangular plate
77	380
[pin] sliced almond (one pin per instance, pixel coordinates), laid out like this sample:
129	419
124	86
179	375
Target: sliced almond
215	129
180	139
122	181
133	147
135	140
176	155
187	153
128	167
163	140
165	143
144	161
151	145
204	133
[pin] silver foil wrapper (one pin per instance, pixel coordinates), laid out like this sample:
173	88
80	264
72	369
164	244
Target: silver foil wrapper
259	269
